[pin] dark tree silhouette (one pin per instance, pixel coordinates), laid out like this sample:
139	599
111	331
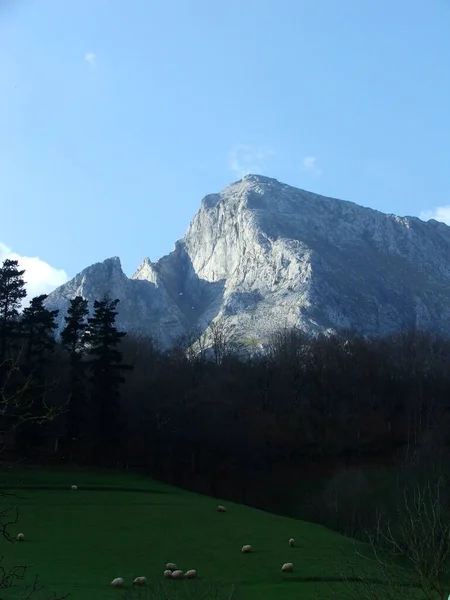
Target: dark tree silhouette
74	339
12	292
37	330
106	378
38	327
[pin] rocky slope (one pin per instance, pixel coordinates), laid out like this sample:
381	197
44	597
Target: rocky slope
262	255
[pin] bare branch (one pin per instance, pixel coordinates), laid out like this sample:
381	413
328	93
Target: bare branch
411	551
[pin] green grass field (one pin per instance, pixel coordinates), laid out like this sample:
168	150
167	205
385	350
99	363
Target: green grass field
119	525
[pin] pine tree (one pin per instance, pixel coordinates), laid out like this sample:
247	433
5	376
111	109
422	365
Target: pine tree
73	338
106	376
38	325
37	329
12	292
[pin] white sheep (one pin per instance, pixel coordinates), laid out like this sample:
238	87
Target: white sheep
292	542
20	537
191	574
287	568
178	574
246	548
221	508
117	582
168	573
140	581
73	487
171	567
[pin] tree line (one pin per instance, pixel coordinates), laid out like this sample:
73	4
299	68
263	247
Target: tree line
214	419
78	377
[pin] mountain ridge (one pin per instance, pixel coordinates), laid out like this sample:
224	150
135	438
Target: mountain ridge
261	255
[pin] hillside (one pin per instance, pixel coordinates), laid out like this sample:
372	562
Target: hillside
128	526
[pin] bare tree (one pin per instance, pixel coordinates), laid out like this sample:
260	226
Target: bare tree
409	552
217	338
16	401
15	410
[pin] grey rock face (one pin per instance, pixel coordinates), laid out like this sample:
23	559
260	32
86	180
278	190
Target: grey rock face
144	307
263	255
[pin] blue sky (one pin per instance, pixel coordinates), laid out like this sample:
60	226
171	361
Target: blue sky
117	117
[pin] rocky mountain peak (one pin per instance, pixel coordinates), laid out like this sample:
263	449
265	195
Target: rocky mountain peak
146	271
261	255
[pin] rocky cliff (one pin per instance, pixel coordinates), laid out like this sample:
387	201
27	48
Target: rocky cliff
263	255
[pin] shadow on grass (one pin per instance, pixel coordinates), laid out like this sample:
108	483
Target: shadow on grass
84	488
365	580
203	590
188	590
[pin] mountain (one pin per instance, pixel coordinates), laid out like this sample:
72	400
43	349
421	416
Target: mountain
263	255
144	304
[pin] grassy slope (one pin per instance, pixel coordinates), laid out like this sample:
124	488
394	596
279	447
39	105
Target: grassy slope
79	541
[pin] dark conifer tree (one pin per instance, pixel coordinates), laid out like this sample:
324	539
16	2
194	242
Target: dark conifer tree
106	378
12	292
37	330
38	325
73	338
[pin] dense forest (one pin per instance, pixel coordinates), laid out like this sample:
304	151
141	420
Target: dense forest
245	427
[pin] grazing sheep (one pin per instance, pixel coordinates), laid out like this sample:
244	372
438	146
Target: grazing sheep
73	487
140	581
291	542
191	574
177	574
117	582
246	548
221	508
171	567
168	573
20	537
287	568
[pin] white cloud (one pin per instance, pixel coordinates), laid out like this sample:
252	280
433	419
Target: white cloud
90	58
309	164
245	160
440	213
40	277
